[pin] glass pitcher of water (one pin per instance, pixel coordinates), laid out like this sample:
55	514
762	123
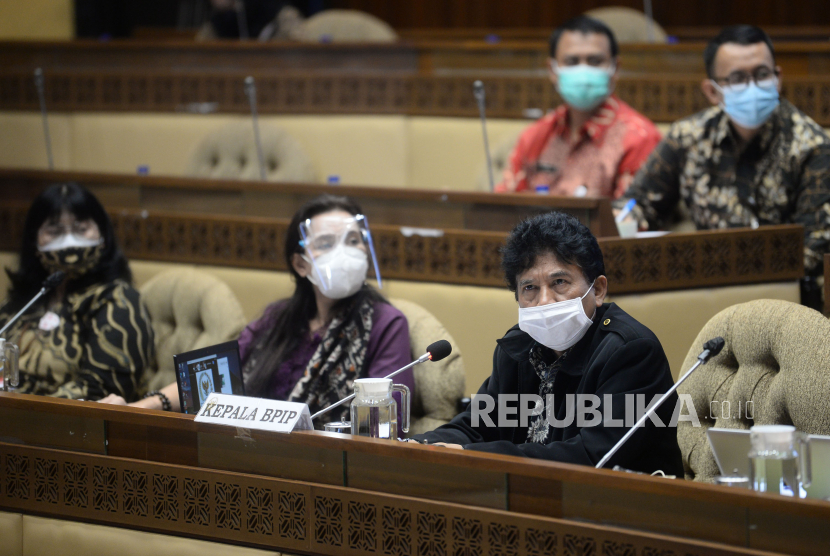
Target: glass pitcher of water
779	460
374	411
9	357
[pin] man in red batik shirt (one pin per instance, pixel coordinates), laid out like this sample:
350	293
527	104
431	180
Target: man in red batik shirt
594	140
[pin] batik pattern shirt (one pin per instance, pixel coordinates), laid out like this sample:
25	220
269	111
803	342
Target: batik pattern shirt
96	342
611	147
782	176
540	361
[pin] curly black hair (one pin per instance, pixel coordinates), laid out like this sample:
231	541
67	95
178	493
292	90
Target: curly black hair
570	241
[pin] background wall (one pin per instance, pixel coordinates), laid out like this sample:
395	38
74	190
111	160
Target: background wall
37	20
391	151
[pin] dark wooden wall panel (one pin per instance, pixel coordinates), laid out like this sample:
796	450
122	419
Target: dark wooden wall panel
550	13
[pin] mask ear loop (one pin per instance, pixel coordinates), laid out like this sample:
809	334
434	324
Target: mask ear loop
589	289
304	243
611	71
722	103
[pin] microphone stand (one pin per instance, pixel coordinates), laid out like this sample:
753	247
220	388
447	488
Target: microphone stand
421	359
478	92
12	320
250	90
708	352
42	98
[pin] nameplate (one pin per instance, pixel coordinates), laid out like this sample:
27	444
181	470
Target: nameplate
254	413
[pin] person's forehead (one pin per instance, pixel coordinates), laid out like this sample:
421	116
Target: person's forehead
65	217
577	43
546	264
732	57
333	221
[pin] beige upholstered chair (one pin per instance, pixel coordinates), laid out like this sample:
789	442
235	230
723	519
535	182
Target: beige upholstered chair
628	25
777	356
230	153
189	309
439	385
345	26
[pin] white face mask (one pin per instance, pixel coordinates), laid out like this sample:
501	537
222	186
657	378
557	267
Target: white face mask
556	325
67	241
340	272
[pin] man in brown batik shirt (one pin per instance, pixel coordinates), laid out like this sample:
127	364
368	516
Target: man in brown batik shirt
750	160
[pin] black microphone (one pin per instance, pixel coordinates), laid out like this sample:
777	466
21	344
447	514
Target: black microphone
436	351
710	349
54	280
42	98
250	91
51	282
478	92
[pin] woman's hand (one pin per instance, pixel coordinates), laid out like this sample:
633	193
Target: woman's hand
114	399
445	445
152	402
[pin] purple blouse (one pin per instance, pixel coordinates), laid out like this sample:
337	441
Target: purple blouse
388	349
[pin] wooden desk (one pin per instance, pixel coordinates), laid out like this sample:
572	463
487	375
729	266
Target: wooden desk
154	220
683	33
393	206
333	494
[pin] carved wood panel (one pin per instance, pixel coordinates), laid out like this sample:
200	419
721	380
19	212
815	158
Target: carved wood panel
289	515
457	257
661	98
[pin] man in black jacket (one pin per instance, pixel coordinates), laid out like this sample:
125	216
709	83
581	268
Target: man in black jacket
569	380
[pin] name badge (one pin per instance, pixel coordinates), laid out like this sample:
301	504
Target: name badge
254	413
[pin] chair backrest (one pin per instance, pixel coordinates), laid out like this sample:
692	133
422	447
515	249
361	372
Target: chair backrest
774	369
230	153
439	385
345	26
627	24
188	309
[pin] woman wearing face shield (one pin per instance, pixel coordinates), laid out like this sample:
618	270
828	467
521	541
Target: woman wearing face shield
90	336
335	328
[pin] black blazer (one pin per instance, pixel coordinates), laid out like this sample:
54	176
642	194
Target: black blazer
617	356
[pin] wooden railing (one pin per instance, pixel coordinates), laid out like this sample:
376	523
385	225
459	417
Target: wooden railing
435	79
332	494
155	219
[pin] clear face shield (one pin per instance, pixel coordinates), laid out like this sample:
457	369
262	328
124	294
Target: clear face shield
341	253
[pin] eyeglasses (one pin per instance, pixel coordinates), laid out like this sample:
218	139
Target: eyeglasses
738	81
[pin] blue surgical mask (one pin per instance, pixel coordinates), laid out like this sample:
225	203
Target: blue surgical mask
750	107
583	87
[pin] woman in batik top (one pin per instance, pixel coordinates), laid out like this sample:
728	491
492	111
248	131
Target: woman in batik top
90	336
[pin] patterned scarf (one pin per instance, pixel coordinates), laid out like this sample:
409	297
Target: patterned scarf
339	359
538	428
